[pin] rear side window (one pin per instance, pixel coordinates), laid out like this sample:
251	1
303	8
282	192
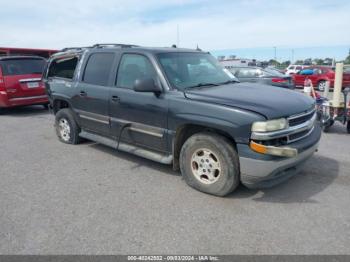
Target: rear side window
98	69
22	66
63	67
132	67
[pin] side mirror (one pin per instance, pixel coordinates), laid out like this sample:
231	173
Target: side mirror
147	85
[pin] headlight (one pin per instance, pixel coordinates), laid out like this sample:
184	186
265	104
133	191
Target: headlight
271	125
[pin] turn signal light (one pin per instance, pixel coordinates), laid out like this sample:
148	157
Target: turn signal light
273	150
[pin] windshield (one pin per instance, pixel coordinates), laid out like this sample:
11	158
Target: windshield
22	66
190	70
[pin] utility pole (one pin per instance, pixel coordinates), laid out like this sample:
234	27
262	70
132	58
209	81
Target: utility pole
292	56
275	49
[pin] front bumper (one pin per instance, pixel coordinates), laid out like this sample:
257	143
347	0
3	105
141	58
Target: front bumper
264	172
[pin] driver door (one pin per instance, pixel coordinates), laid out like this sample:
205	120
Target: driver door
141	117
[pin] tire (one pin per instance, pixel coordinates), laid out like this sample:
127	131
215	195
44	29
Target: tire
348	127
327	126
46	106
67	129
321	85
199	157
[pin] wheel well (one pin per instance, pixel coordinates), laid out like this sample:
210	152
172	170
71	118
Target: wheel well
185	131
59	104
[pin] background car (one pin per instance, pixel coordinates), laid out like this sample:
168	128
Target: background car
259	75
293	69
319	75
21	81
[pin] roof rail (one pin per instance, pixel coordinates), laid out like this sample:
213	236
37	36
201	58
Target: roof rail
73	48
113	45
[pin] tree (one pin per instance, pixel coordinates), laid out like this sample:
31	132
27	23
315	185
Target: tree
318	61
347	60
299	62
328	61
273	62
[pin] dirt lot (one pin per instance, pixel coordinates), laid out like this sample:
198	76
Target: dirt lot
90	199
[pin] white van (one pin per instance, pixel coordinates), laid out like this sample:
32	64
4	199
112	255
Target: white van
293	69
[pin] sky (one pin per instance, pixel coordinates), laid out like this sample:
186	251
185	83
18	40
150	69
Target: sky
249	29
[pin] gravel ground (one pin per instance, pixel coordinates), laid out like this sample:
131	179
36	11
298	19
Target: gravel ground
90	199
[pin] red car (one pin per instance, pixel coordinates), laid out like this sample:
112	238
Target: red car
319	75
20	81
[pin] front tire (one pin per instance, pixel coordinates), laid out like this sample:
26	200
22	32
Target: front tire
210	164
67	129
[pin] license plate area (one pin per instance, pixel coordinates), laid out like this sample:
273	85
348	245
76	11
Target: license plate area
33	84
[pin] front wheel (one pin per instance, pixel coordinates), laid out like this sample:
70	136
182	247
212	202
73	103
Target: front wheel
209	163
66	127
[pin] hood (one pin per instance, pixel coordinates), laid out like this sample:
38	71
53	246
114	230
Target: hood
270	101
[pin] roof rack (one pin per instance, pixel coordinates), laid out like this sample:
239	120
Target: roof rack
113	45
73	49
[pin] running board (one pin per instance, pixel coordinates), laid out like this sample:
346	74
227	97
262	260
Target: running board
151	155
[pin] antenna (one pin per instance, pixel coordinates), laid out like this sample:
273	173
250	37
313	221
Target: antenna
177	35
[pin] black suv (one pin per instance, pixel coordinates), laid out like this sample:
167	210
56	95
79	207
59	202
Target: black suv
180	107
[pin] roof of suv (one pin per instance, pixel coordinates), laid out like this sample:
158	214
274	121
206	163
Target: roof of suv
117	47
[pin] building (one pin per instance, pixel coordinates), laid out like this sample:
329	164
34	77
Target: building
233	61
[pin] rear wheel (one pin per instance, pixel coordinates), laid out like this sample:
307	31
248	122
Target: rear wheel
321	86
348	127
67	128
46	106
209	163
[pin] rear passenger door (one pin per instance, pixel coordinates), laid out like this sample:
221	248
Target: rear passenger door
141	117
92	92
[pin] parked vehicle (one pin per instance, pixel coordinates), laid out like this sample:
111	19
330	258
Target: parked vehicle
318	76
178	106
267	76
330	114
14	51
20	81
293	69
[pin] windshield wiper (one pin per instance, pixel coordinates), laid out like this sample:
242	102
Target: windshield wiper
229	82
202	84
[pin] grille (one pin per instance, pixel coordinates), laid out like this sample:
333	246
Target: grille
301	118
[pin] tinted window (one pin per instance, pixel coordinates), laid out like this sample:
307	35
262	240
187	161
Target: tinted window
22	66
63	67
98	69
134	67
298	68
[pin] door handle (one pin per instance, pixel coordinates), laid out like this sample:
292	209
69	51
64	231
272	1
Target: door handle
115	98
82	93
